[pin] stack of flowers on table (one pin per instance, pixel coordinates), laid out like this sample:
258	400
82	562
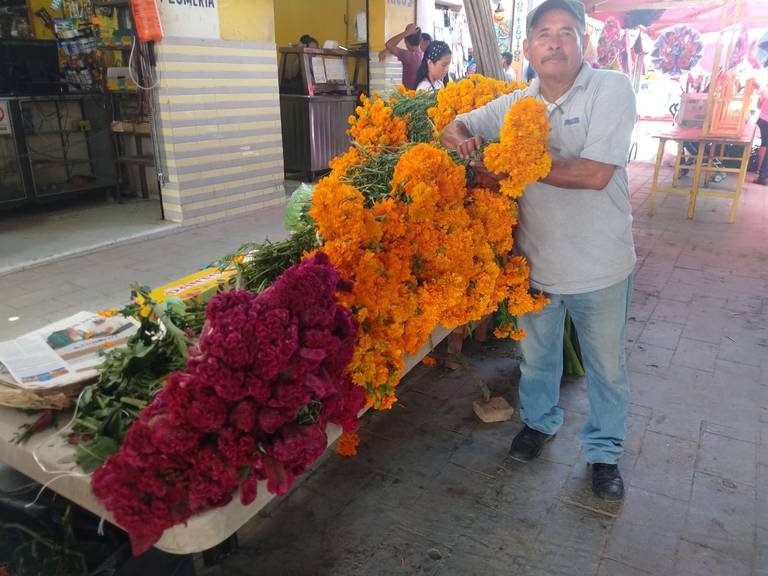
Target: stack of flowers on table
404	242
422	246
252	404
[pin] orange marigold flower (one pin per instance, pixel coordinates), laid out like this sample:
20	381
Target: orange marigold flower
376	127
432	252
429	361
522	153
347	444
467	95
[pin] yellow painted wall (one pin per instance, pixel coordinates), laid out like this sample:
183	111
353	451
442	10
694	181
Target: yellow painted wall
398	14
376	19
387	18
323	19
355	6
247	20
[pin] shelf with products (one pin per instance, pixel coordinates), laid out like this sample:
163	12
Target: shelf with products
126	74
116	48
78	42
110	3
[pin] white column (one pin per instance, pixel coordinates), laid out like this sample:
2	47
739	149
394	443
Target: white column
425	13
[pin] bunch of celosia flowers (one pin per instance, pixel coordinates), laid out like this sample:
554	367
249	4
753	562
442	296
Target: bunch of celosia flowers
252	405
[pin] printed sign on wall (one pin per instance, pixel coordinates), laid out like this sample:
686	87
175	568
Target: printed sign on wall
190	18
520	10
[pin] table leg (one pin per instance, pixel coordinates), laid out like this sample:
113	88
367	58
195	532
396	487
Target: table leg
710	159
696	179
740	182
654	186
678	159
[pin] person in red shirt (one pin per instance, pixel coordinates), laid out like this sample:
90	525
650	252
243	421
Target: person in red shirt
410	56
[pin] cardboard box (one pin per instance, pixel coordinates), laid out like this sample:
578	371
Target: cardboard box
693	109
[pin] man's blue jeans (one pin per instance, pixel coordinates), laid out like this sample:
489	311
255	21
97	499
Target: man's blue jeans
599	318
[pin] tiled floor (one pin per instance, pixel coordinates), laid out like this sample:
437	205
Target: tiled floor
432	491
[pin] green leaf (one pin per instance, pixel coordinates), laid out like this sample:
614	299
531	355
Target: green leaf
91	455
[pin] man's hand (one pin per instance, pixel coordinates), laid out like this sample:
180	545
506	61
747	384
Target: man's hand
467	147
410	29
484	177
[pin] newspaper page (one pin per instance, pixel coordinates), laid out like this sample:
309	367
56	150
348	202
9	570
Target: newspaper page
32	363
65	352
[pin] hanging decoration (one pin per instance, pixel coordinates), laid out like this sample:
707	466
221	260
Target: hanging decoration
677	50
760	59
611	48
740	49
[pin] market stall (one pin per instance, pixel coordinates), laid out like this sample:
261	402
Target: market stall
224	397
703	171
68	99
317	95
708	53
323	58
42	461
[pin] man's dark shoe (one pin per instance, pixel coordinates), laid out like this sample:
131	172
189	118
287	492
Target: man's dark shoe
607	483
528	444
762	181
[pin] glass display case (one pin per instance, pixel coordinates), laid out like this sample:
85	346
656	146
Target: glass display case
54	146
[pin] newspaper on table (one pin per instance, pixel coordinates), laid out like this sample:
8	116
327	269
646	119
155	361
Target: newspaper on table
63	353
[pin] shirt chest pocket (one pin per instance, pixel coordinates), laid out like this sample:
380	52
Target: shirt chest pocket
569	134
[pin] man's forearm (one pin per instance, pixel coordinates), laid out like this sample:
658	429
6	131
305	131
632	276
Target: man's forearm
581	173
393	42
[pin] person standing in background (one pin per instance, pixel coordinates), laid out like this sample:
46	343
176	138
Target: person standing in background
410	56
309	42
506	64
426	40
433	71
530	74
471	64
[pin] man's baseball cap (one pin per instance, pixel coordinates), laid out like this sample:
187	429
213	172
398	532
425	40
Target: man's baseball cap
573	6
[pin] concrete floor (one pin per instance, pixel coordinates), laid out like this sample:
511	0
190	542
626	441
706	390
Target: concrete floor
100	278
432	490
34	236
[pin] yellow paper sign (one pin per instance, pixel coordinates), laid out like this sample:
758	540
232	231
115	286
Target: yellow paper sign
195	284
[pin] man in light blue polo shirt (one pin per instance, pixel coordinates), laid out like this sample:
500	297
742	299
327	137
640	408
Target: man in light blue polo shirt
576	232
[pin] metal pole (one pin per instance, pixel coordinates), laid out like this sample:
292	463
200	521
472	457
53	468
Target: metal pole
483	34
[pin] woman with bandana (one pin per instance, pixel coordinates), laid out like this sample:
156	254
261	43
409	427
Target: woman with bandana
433	72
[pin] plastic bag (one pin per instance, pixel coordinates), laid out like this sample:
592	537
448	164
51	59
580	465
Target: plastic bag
297	211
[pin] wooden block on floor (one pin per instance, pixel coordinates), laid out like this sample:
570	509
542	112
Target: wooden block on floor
496	409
